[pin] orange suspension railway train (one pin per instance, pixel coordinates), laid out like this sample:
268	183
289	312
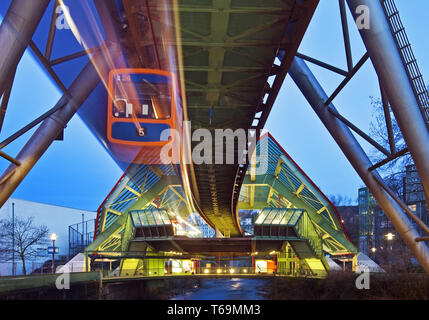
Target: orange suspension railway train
144	114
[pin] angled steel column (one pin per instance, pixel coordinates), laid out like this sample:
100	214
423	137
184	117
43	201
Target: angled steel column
16	30
388	64
49	129
315	95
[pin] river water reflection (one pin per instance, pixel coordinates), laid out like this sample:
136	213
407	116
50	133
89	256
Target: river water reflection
228	289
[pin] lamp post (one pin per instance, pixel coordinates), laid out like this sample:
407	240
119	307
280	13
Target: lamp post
53	238
389	237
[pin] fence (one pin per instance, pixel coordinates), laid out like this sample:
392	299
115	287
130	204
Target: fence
80	236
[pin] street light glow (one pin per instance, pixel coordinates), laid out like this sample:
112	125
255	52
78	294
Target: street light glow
53	237
390	236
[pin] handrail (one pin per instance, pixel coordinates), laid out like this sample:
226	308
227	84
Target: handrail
408	58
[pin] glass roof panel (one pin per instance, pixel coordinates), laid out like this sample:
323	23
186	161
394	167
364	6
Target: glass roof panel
278	217
262	216
150	218
157	215
271	216
143	218
135	219
294	219
165	217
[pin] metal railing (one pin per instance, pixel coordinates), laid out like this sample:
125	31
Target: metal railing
408	58
215	272
200	271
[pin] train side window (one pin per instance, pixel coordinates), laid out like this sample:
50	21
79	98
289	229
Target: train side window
145	109
119	108
144	96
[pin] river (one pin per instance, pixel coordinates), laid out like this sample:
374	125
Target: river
228	289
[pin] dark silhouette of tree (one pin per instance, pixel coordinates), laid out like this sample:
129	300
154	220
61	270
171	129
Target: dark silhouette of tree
27	238
394	171
340	200
394	256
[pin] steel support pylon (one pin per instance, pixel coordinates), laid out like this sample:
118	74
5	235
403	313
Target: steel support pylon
390	68
50	128
16	31
316	96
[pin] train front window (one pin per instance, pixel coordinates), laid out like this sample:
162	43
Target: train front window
143	96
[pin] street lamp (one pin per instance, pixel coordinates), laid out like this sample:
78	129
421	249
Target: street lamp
390	236
53	237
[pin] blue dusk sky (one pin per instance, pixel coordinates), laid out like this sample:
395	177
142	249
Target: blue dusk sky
79	173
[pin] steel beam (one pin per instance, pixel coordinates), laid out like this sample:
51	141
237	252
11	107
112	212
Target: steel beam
388	119
323	64
49	129
390	68
351	148
346	34
16	31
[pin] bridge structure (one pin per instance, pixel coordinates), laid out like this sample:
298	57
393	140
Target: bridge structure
231	58
139	220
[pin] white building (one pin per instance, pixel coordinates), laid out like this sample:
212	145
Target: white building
56	218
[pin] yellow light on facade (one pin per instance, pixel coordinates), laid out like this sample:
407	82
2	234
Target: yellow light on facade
206	270
219	270
232	270
272	252
245	270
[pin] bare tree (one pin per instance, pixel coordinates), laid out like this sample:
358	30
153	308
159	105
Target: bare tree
393	256
394	171
27	236
340	200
